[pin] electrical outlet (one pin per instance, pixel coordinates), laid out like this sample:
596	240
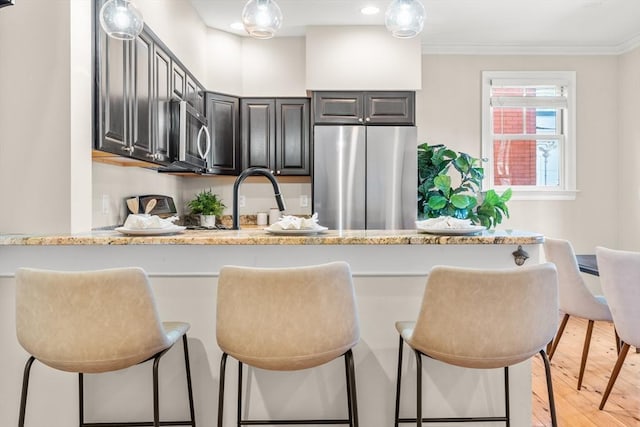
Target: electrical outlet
105	204
304	201
241	201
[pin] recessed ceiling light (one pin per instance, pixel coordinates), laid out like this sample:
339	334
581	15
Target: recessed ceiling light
369	10
238	26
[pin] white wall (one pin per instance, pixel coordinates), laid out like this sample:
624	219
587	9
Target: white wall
449	112
626	183
35	130
361	58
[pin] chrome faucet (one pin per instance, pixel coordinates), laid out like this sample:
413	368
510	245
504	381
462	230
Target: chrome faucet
236	185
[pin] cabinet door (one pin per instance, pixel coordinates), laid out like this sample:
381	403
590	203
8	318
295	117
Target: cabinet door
292	137
258	133
112	107
338	107
224	127
390	108
140	95
161	99
178	81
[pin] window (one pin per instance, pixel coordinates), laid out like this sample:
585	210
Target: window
528	137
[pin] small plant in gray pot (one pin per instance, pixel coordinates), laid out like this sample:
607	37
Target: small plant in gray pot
208	205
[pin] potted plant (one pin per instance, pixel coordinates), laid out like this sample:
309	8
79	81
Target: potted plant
208	206
437	195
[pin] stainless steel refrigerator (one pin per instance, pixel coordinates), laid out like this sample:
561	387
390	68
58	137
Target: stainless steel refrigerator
365	177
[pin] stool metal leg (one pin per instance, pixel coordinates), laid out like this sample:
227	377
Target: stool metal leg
398	382
418	388
156	392
239	406
506	396
347	375
25	387
187	366
81	398
552	404
223	367
352	395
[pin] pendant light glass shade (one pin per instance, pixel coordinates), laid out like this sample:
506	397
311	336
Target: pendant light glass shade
121	19
261	18
4	3
405	18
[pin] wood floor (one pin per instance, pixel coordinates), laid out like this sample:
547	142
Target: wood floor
580	408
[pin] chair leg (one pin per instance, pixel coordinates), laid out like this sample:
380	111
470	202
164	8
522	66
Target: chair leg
239	407
223	367
507	412
25	387
418	388
398	381
81	399
352	395
565	319
552	403
585	352
618	342
348	379
614	375
187	367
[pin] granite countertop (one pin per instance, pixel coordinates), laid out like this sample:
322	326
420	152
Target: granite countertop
257	236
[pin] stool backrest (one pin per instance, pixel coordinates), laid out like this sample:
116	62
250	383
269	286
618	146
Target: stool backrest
287	318
620	281
87	321
487	318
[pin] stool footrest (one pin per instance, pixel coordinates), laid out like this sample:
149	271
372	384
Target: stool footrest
454	420
290	422
138	424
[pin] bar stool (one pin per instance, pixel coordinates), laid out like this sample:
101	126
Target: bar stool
285	320
94	322
482	319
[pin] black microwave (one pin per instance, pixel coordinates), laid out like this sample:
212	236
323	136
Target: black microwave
190	140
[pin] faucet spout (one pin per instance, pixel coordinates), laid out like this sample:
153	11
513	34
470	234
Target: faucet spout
236	186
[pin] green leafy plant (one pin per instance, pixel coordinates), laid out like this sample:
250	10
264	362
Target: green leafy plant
437	195
206	203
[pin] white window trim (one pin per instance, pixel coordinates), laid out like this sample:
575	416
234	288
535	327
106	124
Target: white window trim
567	189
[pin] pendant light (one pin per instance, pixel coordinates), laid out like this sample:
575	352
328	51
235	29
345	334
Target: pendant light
4	3
405	18
261	18
120	19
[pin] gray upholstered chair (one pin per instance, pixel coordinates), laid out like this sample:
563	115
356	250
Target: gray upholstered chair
620	281
482	319
94	322
575	298
287	319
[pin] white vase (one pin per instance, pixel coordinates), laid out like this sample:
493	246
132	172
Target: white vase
208	221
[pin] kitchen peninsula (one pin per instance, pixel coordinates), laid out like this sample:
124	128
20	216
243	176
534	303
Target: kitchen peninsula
389	269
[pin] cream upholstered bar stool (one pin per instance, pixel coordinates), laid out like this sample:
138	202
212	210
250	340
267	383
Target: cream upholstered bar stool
575	298
620	281
483	319
94	322
285	320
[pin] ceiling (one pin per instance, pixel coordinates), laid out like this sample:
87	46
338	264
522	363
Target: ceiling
470	26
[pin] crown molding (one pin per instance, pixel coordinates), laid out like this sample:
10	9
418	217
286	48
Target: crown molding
506	49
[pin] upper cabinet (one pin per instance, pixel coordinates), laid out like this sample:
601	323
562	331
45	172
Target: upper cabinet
135	83
223	117
375	108
276	134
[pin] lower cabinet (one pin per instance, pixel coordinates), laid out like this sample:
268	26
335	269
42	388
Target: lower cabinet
224	127
276	134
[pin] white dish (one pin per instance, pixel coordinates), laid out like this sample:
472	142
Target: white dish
453	231
151	231
297	232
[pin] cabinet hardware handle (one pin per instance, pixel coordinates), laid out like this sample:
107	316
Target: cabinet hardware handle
368	119
360	119
128	149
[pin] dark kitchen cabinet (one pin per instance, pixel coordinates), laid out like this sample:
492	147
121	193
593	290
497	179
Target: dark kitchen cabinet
379	108
161	114
276	134
223	117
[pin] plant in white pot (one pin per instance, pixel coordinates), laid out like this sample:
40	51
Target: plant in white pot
208	205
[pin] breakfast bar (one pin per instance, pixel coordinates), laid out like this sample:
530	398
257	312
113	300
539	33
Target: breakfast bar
389	268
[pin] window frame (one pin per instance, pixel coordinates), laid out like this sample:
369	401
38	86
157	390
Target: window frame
567	174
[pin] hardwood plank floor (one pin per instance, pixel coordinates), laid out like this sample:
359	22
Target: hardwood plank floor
580	408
